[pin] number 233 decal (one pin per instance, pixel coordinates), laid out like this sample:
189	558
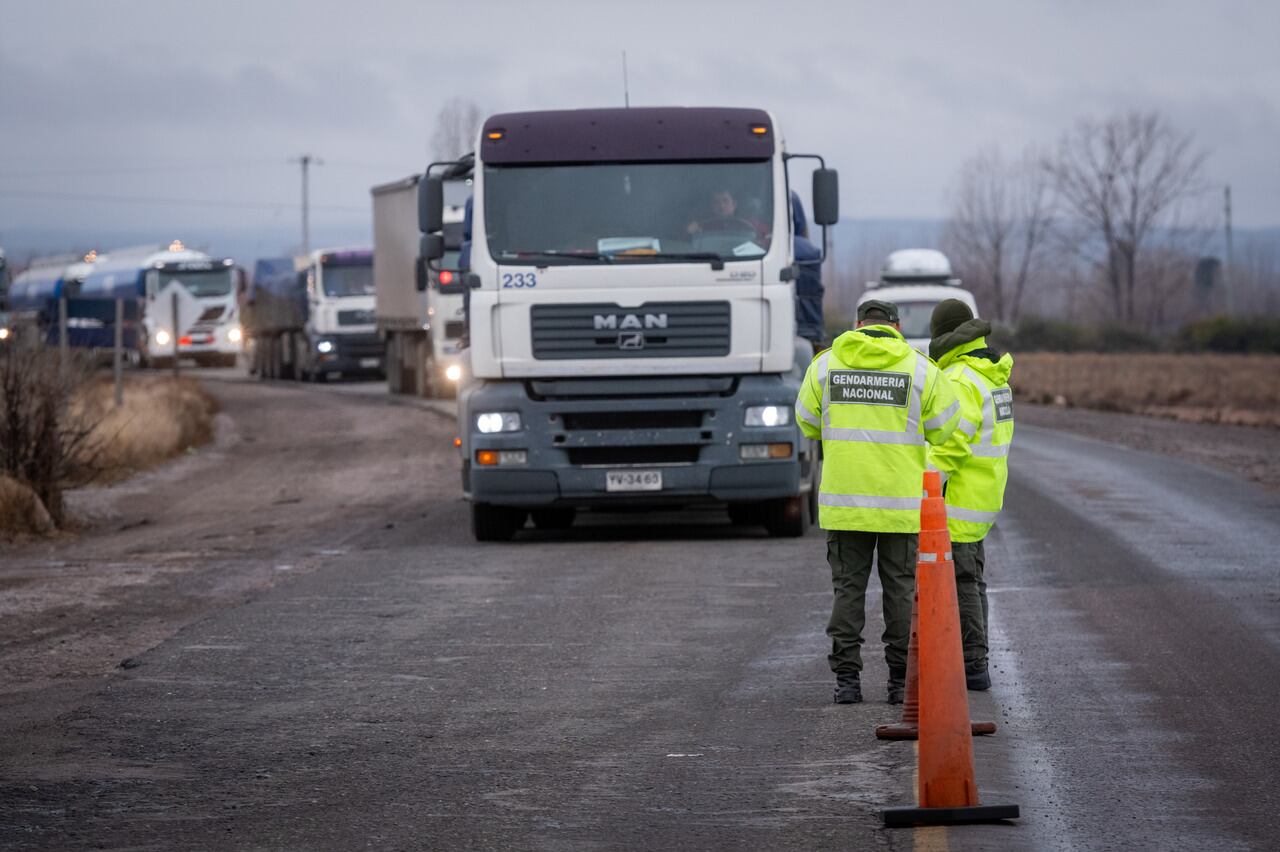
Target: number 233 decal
521	280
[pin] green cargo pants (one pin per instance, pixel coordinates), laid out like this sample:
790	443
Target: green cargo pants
849	553
971	591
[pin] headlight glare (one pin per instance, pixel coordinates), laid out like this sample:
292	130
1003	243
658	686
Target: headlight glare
453	372
491	422
324	346
767	415
162	337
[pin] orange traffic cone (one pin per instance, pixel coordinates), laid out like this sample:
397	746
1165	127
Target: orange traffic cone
948	793
908	728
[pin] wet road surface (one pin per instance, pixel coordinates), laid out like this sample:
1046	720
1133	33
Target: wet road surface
659	682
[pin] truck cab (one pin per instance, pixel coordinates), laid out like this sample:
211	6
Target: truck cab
340	334
916	280
631	317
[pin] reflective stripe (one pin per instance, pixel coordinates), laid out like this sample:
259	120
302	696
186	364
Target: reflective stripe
992	451
933	557
803	412
822	383
967	428
973	515
871	436
941	419
867	501
917	394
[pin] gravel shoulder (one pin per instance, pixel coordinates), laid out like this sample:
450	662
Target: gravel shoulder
259	505
1250	452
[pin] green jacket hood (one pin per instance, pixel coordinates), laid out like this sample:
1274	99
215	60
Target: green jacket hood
977	356
882	347
967	332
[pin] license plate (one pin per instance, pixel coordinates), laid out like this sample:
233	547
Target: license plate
633	480
368	362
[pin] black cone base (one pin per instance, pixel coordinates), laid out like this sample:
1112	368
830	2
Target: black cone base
901	817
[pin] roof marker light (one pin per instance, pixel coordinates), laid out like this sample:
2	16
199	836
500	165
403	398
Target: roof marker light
495	135
759	129
176	245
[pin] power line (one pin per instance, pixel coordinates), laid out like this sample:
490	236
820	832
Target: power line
138	170
188	202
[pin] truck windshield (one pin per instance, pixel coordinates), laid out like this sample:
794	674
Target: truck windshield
633	212
203	284
348	280
914	318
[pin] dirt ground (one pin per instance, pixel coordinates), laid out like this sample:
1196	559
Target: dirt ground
1247	451
159	551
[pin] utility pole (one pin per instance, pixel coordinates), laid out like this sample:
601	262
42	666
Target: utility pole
626	87
1226	267
306	160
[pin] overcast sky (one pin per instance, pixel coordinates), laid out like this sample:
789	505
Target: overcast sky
207	100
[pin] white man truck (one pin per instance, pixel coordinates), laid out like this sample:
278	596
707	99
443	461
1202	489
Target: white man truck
631	317
311	318
419	311
916	280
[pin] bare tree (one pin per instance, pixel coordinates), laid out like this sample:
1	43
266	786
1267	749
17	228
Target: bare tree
1001	216
457	124
1123	179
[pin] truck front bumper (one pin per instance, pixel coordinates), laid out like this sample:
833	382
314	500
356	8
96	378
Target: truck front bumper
573	444
352	354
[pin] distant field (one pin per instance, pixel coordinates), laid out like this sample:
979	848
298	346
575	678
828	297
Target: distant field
1239	389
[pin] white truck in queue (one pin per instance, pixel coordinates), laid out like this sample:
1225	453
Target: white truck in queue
312	317
419	312
916	280
632	322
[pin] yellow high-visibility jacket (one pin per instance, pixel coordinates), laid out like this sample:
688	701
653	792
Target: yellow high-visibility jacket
975	460
875	402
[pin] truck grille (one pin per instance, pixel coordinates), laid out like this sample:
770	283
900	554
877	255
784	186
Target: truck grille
608	420
620	456
653	330
355	318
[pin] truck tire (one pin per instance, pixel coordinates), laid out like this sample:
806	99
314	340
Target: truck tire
495	523
787	517
559	518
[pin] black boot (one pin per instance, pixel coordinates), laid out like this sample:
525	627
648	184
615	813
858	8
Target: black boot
976	677
897	684
848	689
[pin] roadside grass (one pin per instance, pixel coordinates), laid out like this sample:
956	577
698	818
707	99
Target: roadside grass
1199	388
161	418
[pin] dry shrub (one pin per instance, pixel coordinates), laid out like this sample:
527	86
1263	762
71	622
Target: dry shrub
1238	389
161	417
21	511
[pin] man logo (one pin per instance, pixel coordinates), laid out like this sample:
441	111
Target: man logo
631	340
628	321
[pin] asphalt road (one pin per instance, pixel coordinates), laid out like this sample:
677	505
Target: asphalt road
648	682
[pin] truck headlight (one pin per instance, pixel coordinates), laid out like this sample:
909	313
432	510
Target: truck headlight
324	347
767	415
4	332
453	372
491	422
162	337
234	334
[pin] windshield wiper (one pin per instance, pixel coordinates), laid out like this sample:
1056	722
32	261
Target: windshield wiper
716	261
557	255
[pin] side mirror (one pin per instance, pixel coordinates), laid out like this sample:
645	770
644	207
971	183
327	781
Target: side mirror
420	274
431	247
430	204
826	197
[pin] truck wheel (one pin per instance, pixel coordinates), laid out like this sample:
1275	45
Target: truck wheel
495	523
787	517
559	518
